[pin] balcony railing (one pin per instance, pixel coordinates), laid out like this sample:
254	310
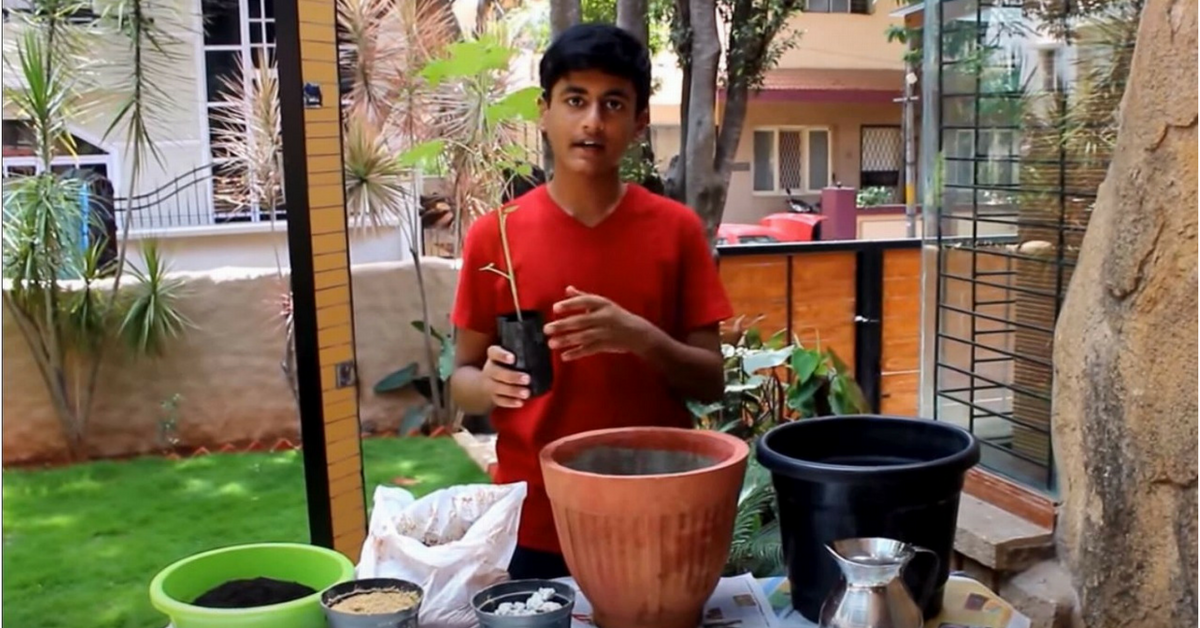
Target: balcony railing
188	201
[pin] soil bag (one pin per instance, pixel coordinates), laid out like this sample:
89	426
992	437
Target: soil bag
453	542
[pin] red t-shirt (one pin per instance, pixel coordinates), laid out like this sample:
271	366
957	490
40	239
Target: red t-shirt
650	256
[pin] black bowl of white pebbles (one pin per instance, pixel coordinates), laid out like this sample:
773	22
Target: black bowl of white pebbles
525	604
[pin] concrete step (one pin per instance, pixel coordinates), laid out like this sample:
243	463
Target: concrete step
1044	594
999	540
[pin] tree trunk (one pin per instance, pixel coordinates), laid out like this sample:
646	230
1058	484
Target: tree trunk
681	40
1124	411
733	118
563	15
703	185
631	16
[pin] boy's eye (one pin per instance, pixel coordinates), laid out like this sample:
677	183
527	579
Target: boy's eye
574	101
614	105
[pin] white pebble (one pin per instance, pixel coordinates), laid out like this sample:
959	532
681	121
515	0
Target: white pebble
541	601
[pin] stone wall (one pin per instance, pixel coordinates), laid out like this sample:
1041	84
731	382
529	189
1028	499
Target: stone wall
226	371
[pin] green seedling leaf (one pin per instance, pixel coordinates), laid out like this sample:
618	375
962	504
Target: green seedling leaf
519	105
423	155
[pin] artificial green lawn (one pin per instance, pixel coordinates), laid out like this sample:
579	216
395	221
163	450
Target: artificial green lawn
82	543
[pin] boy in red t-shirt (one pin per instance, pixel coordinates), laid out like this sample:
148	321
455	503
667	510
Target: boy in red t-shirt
624	278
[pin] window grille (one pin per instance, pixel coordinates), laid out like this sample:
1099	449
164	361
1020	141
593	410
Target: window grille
1026	103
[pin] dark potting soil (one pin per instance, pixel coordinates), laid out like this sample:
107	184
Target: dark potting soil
252	592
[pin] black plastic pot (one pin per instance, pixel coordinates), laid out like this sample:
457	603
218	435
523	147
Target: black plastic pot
526	340
866	476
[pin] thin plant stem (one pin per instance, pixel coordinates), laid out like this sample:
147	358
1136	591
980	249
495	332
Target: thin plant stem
512	279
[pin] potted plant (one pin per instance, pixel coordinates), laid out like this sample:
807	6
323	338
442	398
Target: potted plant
521	331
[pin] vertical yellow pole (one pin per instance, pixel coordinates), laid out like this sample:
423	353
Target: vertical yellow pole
323	310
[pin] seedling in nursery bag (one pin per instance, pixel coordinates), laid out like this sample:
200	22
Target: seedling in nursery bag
521	331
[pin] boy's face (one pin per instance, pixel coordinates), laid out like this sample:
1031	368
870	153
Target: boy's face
590	119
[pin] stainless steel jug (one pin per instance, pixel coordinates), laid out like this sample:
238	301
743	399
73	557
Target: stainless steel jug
871	592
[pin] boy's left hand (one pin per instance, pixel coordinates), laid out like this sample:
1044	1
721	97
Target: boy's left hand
594	325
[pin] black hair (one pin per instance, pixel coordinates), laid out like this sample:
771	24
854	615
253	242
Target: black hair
598	46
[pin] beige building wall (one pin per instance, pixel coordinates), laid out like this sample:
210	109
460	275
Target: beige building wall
844	41
844	122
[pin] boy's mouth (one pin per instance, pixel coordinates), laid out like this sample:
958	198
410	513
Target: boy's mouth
590	145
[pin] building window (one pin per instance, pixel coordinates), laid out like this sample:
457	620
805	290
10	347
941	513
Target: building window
881	162
859	7
237	34
20	158
795	159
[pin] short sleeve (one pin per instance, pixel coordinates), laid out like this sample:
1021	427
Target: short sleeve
704	301
474	299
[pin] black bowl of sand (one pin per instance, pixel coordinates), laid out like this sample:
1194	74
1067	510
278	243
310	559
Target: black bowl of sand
373	603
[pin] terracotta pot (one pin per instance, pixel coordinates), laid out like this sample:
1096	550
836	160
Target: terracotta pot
645	518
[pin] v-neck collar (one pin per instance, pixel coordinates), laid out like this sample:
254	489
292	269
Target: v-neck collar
631	189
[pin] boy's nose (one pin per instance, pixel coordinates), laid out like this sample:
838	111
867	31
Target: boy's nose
593	121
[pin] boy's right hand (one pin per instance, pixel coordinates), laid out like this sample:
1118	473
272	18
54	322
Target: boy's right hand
506	387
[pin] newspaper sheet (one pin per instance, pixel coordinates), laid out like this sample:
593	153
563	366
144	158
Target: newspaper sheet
744	602
737	602
967	604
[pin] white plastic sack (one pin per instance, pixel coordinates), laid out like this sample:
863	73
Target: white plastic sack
454	542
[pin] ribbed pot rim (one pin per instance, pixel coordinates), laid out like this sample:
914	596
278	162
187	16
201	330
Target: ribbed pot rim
736	450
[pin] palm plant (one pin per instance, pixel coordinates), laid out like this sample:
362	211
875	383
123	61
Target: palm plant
386	44
68	315
247	133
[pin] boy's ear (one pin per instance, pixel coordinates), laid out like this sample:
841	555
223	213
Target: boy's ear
643	121
543	105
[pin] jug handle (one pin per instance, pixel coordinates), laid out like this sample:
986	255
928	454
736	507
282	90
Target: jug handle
931	582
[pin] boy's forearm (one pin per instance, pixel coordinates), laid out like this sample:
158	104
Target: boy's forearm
694	372
466	388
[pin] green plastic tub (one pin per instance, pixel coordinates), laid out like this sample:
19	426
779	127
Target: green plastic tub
175	587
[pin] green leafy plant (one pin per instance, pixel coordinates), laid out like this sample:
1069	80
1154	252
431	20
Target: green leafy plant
874	195
769	382
756	547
